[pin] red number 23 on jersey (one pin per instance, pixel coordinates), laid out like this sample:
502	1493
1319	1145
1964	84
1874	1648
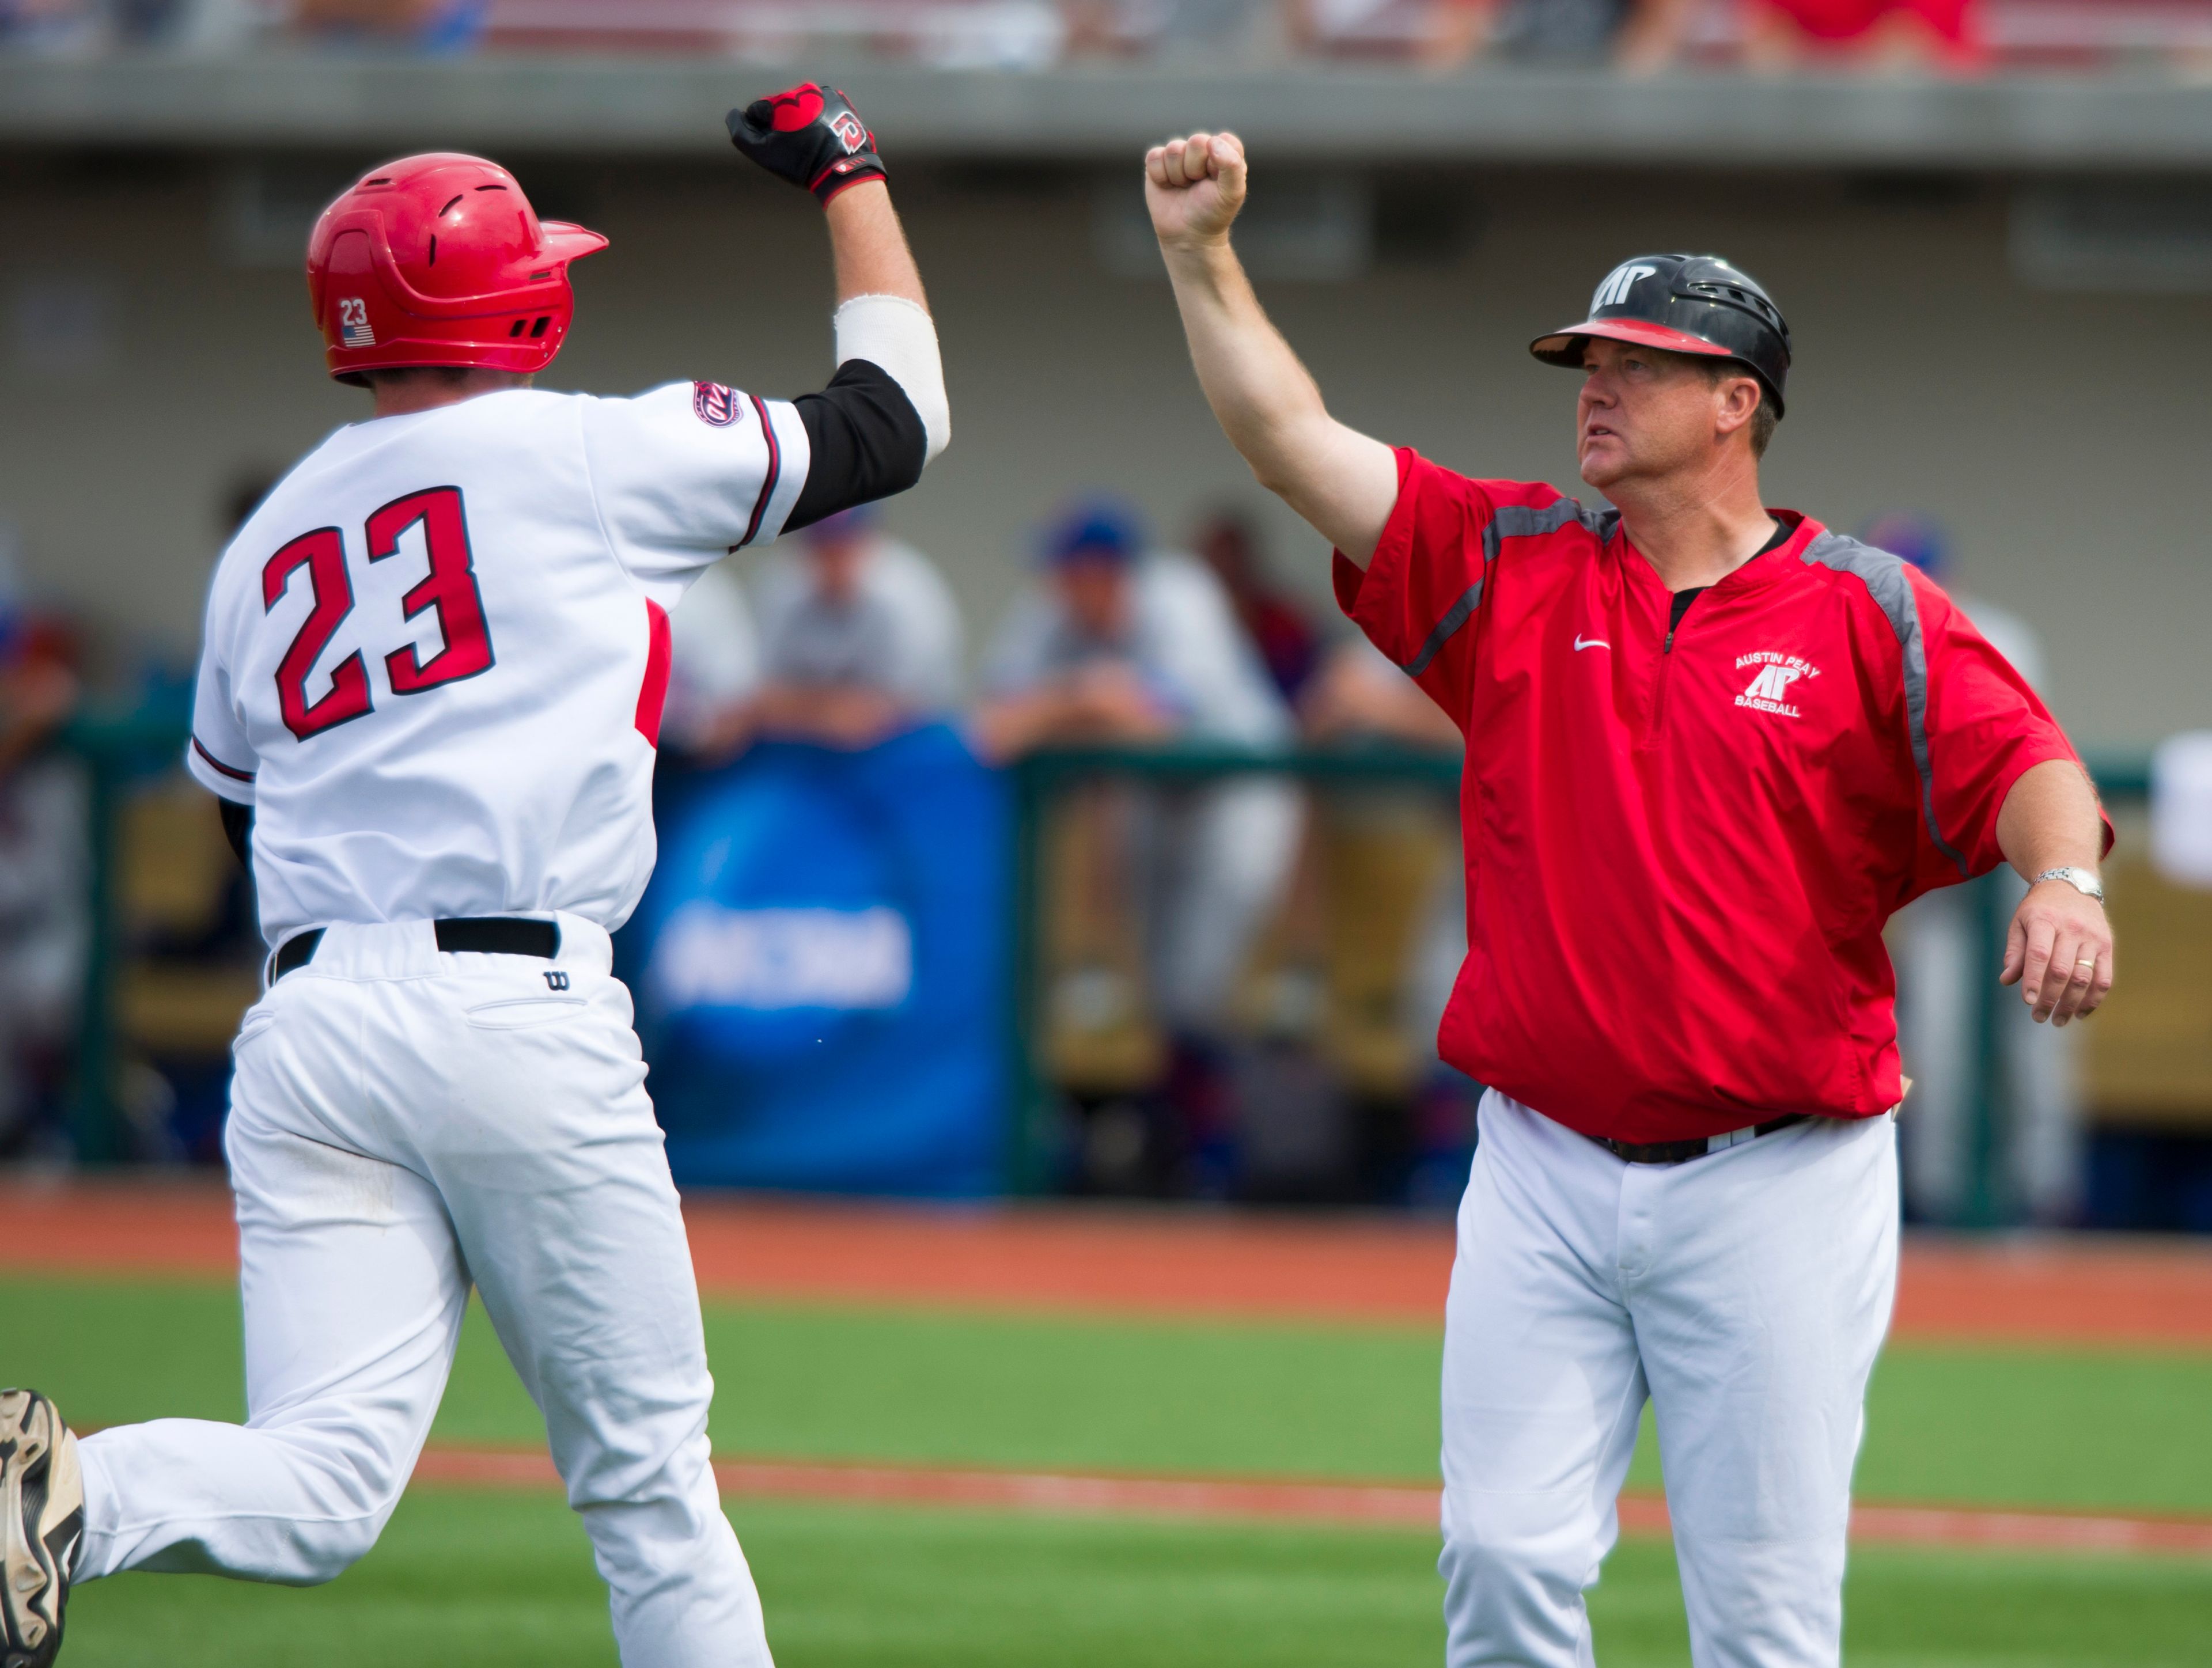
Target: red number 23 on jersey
449	590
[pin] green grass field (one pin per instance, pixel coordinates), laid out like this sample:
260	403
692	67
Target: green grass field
495	1580
464	1576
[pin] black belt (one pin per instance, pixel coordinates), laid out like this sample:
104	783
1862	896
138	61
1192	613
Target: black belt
1680	1152
482	935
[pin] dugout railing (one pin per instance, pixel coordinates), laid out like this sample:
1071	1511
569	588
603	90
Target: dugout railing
122	749
1040	779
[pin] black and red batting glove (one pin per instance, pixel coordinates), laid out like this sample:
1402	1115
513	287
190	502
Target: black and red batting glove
811	135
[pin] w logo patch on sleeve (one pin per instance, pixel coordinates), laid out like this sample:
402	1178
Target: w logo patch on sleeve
717	406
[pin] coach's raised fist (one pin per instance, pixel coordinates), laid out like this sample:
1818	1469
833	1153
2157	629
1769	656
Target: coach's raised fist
811	135
1195	186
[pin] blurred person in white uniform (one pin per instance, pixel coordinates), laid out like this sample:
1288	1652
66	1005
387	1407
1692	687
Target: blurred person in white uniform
714	671
1937	946
1119	646
42	843
2181	810
1358	695
860	637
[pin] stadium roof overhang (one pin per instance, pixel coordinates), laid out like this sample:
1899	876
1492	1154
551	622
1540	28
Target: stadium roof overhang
512	103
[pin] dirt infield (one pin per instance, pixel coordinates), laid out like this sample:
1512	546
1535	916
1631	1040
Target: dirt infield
1160	1262
1088	1494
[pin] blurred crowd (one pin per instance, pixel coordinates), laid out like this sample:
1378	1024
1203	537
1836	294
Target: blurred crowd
1952	36
1238	976
1210	947
43	858
1197	940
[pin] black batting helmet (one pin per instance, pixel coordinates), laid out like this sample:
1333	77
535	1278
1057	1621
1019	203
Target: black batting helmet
1686	304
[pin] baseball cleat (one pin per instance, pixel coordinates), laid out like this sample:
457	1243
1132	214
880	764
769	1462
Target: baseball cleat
41	1519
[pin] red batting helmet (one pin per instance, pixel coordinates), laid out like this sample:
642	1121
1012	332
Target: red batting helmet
440	260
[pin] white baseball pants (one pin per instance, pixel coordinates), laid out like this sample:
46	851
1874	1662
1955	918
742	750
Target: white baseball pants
404	1122
1745	1294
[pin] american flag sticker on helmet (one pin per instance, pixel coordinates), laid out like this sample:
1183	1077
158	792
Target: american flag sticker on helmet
353	323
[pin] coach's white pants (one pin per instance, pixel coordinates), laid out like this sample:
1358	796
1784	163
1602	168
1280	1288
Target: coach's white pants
404	1122
1745	1294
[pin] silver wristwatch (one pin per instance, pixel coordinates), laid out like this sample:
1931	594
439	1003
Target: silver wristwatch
2083	880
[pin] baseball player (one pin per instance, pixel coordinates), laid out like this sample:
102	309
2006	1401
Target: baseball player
435	664
1711	747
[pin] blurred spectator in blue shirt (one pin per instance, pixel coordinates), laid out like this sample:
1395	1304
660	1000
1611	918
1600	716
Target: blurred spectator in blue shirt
1120	644
52	26
1440	33
860	638
433	25
1117	645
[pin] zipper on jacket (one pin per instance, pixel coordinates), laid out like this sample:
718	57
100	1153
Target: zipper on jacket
1659	694
1675	623
1676	619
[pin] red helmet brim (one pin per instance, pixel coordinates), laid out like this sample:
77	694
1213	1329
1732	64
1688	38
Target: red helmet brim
567	242
1560	346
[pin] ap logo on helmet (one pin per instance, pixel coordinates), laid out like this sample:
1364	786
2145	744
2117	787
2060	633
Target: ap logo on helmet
1618	283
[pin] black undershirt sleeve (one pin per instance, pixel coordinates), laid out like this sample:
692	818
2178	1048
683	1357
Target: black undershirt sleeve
867	442
238	827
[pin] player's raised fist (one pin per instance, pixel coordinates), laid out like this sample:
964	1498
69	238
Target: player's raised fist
1195	186
811	135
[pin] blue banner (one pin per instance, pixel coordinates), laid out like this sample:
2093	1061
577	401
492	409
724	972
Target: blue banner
820	966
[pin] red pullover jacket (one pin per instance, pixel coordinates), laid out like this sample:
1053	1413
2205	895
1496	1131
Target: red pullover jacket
1682	846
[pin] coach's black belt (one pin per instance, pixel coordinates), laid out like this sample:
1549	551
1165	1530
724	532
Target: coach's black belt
482	935
1680	1152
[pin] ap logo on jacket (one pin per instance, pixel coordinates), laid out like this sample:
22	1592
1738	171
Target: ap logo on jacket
1769	688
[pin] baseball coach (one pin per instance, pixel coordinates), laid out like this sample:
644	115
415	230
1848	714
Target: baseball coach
1711	748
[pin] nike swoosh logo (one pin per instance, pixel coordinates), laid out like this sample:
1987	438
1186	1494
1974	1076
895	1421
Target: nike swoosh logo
1582	642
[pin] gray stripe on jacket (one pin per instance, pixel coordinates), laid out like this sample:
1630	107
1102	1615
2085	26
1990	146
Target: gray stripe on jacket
1887	581
1511	521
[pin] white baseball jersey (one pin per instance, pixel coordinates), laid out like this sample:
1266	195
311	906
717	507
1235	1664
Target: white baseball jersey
436	656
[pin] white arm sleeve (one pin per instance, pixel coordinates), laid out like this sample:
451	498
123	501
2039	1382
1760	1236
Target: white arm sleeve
891	331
